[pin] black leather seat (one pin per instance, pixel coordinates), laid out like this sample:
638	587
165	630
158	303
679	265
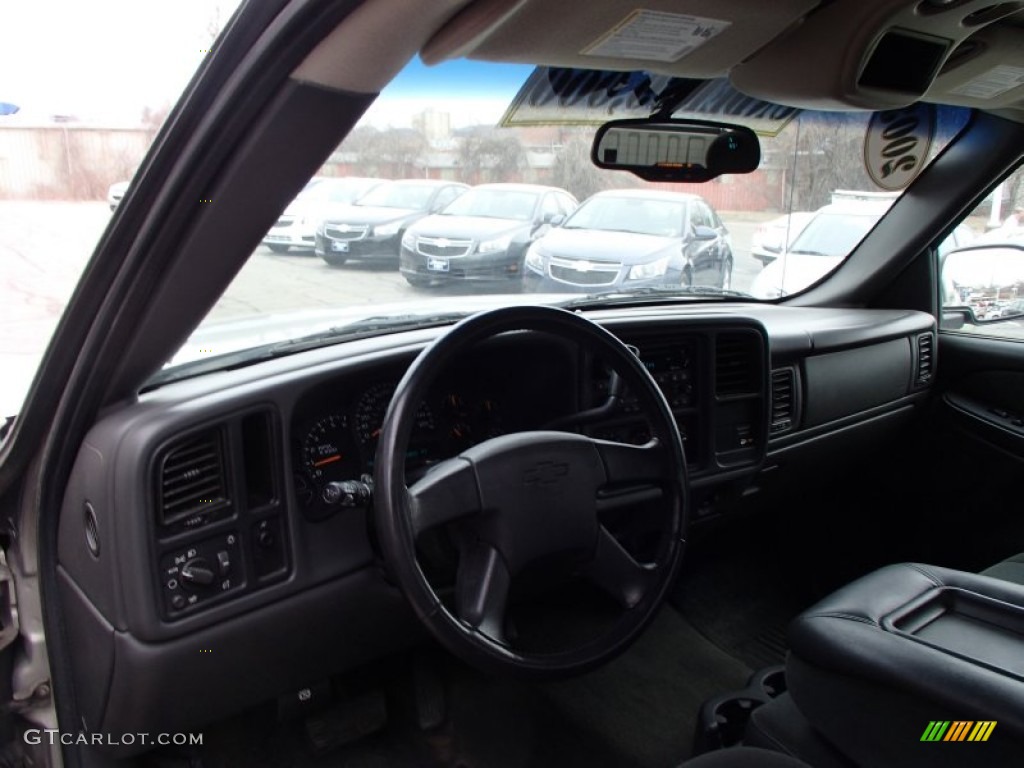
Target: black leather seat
743	757
877	661
1010	569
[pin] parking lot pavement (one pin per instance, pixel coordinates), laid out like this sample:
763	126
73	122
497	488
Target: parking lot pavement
44	247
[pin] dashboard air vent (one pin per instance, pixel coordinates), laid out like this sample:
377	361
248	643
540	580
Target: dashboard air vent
783	400
736	364
192	478
925	359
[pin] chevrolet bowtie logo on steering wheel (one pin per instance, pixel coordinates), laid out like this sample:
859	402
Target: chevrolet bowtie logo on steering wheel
545	473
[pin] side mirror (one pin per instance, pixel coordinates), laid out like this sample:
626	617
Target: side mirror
983	284
700	232
554	219
675	150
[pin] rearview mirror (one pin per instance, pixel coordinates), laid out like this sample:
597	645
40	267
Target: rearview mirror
675	150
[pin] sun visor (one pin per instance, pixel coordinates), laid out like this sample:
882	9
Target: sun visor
560	96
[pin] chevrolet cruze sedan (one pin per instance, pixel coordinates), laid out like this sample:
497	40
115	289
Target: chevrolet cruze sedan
296	227
373	226
483	236
626	239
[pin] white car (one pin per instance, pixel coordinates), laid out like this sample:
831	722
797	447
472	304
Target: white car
827	239
321	199
115	193
775	236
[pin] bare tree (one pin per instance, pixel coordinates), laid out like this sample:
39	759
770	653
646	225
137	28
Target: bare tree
490	155
574	171
395	152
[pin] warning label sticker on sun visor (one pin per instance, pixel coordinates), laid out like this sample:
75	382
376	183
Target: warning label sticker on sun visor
561	96
656	36
994	82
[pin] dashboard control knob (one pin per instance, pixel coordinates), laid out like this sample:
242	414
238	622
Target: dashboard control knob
197	572
347	493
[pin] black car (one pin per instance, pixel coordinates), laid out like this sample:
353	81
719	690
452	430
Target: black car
626	239
374	224
484	235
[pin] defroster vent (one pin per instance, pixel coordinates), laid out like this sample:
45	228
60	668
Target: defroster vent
783	400
737	369
192	479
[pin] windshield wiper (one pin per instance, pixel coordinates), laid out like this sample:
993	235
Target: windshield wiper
810	253
360	329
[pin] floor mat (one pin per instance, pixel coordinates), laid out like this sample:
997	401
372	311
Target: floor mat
742	602
640	710
643	706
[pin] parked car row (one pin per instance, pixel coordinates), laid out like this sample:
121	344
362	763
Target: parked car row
444	232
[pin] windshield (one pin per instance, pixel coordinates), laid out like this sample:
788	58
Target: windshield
503	157
398	195
495	204
643	216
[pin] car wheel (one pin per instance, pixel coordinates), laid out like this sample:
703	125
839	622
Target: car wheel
727	274
278	247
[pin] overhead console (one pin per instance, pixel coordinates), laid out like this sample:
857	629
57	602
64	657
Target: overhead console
886	54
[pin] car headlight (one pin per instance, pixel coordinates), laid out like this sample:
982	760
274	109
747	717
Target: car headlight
387	230
535	260
497	244
409	241
650	269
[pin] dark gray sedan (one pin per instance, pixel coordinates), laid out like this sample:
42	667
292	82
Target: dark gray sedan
629	239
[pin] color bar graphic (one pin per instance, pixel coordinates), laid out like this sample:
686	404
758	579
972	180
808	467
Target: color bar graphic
958	730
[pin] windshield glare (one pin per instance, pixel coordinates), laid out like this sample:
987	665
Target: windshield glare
410	196
494	204
638	215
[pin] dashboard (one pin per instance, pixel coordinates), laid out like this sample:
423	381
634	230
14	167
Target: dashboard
196	517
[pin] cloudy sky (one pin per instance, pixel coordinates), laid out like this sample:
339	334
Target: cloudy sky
105	61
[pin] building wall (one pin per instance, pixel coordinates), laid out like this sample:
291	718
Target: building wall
67	162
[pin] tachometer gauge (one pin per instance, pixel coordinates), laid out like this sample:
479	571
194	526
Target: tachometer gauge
328	452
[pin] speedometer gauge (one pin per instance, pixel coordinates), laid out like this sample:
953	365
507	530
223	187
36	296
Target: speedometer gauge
328	453
369	420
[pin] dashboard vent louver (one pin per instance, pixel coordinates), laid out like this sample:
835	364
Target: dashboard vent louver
925	359
736	364
783	400
192	478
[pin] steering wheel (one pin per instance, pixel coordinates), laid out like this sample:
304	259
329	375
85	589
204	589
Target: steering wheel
525	496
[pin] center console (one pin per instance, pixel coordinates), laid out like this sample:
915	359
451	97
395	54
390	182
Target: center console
914	665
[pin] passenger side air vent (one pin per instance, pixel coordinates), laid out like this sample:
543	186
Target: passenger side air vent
736	364
191	478
925	359
783	401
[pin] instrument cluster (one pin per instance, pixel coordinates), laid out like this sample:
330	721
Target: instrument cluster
337	426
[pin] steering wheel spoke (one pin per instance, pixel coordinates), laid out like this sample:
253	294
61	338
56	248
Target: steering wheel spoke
481	589
636	464
446	493
617	572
